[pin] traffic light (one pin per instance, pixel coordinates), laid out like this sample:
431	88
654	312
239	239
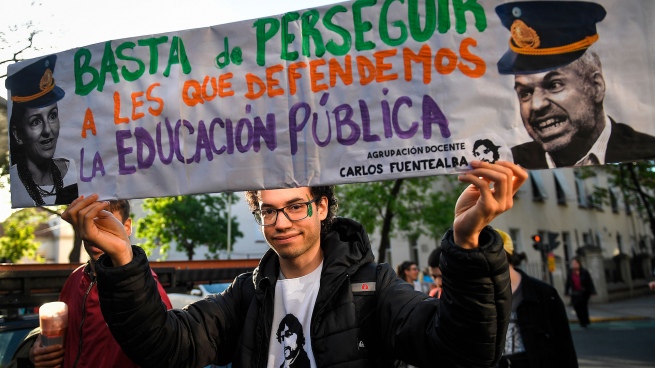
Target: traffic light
552	240
536	242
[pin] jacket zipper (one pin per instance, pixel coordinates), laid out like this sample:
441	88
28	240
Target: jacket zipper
79	347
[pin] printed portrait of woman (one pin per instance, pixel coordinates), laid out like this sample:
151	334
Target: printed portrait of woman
37	177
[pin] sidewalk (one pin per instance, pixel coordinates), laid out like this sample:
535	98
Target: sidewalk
637	308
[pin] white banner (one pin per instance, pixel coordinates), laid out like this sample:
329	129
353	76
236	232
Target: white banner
351	92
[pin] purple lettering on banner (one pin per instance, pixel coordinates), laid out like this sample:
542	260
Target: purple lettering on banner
203	143
315	126
144	140
178	141
122	151
265	131
386	116
323	102
404	134
212	126
294	128
97	166
366	123
432	114
241	124
171	143
346	120
229	136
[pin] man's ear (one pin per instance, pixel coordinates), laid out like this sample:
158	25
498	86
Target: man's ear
14	132
599	87
128	226
322	208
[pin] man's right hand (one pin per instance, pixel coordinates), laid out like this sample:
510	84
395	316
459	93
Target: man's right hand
95	224
46	356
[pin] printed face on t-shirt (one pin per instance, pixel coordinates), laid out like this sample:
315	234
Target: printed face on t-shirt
290	341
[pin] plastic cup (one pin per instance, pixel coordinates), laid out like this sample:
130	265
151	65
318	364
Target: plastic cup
53	318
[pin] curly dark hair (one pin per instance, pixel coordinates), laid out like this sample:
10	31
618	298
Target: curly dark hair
253	197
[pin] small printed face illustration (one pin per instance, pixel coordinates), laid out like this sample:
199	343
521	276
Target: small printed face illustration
38	132
290	341
483	153
559	107
485	150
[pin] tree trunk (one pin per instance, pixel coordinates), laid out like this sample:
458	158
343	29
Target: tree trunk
74	256
189	250
385	242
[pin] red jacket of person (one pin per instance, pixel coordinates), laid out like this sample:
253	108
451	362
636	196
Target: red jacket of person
88	339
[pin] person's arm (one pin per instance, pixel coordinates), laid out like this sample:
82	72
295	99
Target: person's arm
204	332
131	304
466	327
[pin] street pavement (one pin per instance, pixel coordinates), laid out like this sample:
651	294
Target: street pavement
636	308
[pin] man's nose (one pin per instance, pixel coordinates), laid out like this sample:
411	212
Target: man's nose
282	222
539	99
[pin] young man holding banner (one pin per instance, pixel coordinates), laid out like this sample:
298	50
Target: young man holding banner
560	86
320	270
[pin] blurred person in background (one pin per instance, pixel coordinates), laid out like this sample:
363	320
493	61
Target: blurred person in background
538	334
580	287
408	271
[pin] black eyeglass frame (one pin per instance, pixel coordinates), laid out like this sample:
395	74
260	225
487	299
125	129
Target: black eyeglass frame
258	212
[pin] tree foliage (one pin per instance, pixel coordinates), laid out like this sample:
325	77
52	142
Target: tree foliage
18	239
409	207
189	221
636	181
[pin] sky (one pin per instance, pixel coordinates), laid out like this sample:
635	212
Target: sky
67	24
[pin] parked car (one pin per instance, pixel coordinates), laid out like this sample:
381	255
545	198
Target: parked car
179	300
12	331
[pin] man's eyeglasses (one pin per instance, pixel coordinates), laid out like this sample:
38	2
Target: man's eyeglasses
293	212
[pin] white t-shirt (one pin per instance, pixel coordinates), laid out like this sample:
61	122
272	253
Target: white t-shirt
292	316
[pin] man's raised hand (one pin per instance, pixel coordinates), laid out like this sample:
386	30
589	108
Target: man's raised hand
93	223
490	193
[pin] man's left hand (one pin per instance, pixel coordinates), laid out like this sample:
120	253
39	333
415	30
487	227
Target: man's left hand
491	193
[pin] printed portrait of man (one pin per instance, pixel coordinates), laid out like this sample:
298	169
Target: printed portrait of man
560	88
291	336
485	150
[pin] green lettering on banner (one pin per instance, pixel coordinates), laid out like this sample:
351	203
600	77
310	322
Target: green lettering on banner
264	36
362	27
108	65
384	26
287	38
82	70
152	44
309	21
177	55
332	47
141	66
415	17
460	7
